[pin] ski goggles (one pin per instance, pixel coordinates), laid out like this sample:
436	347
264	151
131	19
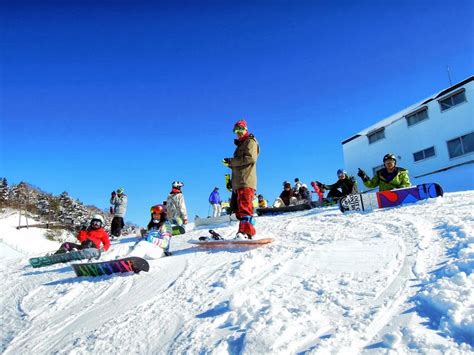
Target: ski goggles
239	129
96	222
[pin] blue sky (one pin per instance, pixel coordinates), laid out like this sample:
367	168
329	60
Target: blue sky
101	94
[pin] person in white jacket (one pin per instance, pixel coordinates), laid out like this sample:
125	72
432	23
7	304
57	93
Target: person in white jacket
119	200
175	205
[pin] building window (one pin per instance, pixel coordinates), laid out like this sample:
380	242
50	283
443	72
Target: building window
418	116
453	100
377	168
461	145
376	136
424	154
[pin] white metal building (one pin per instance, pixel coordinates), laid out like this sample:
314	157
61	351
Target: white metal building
434	135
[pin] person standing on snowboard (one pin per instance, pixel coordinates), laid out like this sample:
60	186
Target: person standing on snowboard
244	178
90	237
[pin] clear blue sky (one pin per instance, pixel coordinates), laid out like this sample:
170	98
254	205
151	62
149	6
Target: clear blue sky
101	94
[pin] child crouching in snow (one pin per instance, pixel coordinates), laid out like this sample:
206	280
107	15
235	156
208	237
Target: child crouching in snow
156	241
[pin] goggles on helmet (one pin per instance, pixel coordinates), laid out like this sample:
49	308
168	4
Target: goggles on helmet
96	222
157	209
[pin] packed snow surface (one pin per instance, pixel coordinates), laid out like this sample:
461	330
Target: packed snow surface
399	279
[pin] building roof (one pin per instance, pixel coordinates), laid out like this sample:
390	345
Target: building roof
401	114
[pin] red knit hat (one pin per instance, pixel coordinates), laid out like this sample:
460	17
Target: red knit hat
241	123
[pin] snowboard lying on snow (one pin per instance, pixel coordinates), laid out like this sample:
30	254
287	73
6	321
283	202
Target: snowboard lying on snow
198	221
295	208
88	253
391	198
215	240
129	264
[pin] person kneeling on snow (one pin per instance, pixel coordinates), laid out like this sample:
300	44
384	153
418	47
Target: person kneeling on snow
91	237
156	241
345	185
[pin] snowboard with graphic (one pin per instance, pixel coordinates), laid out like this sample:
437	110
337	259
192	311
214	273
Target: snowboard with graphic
129	264
40	261
390	198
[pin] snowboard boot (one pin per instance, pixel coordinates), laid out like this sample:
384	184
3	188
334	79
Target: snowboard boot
167	253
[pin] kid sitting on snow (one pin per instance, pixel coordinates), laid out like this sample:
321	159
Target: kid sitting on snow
156	241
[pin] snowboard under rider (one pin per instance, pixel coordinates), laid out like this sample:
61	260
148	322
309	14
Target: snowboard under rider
345	185
389	177
119	200
244	178
175	205
156	242
91	237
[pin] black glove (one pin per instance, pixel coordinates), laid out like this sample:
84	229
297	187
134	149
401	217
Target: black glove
319	184
363	175
113	193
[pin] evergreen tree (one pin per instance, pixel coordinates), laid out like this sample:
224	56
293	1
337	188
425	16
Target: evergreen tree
4	192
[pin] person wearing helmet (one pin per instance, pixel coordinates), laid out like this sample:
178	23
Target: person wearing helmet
175	204
157	239
119	200
296	187
304	195
389	177
91	237
216	202
345	185
244	178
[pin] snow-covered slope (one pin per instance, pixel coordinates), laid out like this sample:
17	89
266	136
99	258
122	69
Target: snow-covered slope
399	279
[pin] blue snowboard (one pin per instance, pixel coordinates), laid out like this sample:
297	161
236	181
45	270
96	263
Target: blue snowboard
41	261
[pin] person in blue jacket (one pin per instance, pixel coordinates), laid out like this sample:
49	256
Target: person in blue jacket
215	201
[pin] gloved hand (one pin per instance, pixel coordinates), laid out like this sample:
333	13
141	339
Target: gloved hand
113	194
363	175
226	161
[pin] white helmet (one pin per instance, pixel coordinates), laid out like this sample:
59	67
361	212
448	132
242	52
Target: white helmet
177	184
98	217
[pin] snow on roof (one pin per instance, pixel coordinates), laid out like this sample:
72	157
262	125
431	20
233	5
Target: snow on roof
401	114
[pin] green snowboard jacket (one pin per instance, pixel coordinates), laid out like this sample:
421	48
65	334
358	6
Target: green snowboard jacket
400	180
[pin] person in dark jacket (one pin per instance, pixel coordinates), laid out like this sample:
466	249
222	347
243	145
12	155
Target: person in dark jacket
345	185
389	177
286	198
244	178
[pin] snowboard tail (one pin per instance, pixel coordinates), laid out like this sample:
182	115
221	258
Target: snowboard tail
130	264
41	261
390	198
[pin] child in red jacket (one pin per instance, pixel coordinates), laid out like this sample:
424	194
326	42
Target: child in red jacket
92	237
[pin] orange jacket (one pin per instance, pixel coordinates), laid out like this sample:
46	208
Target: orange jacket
96	236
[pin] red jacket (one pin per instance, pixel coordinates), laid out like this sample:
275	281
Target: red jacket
96	236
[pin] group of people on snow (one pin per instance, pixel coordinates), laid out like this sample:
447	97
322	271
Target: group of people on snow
243	183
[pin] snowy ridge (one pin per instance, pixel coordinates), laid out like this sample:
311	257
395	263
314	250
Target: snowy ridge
399	278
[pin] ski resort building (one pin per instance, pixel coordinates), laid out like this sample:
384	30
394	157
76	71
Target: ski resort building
434	135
